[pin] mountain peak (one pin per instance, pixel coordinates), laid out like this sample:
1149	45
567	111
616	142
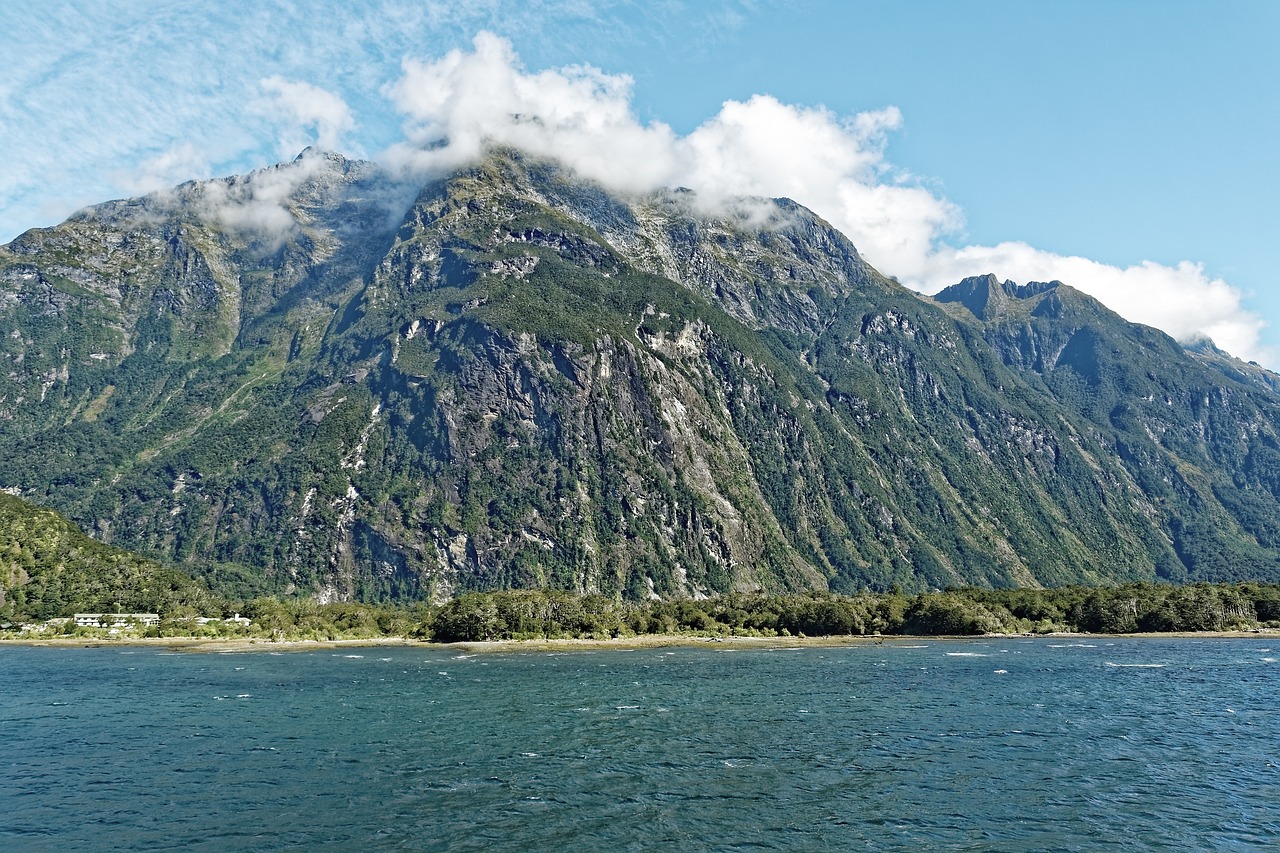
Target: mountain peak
987	297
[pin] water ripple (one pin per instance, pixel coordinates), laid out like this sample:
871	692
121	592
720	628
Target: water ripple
1128	745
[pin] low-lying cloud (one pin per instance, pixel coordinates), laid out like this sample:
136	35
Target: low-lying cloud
258	206
836	165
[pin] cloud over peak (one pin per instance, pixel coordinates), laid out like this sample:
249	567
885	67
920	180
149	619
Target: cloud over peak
460	104
836	165
305	114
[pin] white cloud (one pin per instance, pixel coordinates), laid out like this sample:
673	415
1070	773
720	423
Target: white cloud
183	162
834	165
305	115
464	102
577	114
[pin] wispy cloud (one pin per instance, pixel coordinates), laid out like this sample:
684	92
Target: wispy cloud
91	92
124	96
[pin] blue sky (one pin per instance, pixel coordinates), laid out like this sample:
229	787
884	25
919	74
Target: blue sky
1127	148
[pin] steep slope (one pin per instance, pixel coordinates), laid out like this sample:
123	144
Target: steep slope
1197	431
146	328
524	380
881	467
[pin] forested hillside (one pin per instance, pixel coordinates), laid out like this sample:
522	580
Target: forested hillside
49	568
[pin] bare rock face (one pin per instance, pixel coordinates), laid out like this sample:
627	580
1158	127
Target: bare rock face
309	379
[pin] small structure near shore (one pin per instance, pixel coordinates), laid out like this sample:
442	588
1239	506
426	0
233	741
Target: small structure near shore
116	620
230	620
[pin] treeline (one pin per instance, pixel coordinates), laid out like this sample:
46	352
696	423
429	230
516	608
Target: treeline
1135	608
540	614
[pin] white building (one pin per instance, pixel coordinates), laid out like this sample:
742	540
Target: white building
116	620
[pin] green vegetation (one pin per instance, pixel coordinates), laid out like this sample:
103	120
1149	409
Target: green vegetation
540	614
50	569
1134	608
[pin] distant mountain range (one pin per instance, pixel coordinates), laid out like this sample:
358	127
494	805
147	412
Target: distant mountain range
305	380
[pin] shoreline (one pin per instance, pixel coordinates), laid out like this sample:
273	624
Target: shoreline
249	645
208	644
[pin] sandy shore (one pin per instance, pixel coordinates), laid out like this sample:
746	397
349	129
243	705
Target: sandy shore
648	641
205	644
660	640
258	644
657	641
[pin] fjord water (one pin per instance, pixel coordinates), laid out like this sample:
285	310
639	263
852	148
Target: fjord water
994	744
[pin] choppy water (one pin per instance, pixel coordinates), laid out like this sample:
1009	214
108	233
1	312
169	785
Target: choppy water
967	745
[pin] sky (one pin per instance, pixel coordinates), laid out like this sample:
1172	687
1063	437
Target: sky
1126	147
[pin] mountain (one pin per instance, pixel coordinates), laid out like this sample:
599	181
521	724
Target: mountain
515	378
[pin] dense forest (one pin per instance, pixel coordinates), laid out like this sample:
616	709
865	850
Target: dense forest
49	568
541	614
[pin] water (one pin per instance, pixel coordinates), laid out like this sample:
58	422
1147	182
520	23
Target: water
1014	744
